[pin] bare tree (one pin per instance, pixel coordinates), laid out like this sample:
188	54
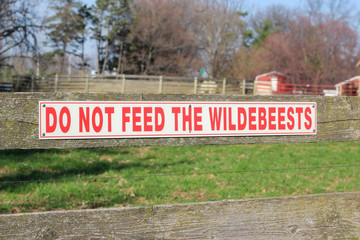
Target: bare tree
220	31
279	15
161	40
337	9
313	6
16	29
312	52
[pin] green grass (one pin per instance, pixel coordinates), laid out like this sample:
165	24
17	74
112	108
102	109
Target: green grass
164	175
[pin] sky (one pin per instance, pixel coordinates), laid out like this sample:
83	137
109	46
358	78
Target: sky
265	3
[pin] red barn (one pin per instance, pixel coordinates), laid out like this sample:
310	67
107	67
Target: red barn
348	87
272	83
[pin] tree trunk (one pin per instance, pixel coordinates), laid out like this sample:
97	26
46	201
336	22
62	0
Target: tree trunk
106	56
98	57
120	59
63	58
148	61
83	55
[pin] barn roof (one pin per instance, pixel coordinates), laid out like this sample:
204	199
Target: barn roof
348	80
268	73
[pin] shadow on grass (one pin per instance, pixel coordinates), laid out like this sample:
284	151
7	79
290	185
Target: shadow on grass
22	177
21	155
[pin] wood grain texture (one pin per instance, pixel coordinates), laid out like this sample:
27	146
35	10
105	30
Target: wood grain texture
326	216
338	120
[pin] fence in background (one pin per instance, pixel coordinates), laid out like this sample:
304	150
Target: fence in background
266	88
129	84
166	85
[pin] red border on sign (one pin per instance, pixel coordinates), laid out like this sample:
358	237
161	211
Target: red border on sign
180	134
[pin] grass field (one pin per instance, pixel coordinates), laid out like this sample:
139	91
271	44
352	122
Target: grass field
92	178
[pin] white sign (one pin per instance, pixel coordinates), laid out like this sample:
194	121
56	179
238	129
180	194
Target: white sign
78	120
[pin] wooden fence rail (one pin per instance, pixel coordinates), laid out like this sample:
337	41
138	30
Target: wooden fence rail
324	216
338	119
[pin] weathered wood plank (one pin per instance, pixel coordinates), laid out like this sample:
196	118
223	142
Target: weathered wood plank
338	120
326	216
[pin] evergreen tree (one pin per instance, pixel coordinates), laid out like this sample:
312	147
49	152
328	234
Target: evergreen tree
265	29
65	28
84	16
111	19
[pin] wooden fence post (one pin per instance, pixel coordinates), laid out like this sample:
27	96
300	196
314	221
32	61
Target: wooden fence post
160	84
254	88
195	85
117	77
340	90
87	83
12	81
243	87
17	82
224	86
32	83
123	83
56	82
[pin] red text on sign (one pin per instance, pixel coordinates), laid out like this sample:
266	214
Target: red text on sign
50	113
138	119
